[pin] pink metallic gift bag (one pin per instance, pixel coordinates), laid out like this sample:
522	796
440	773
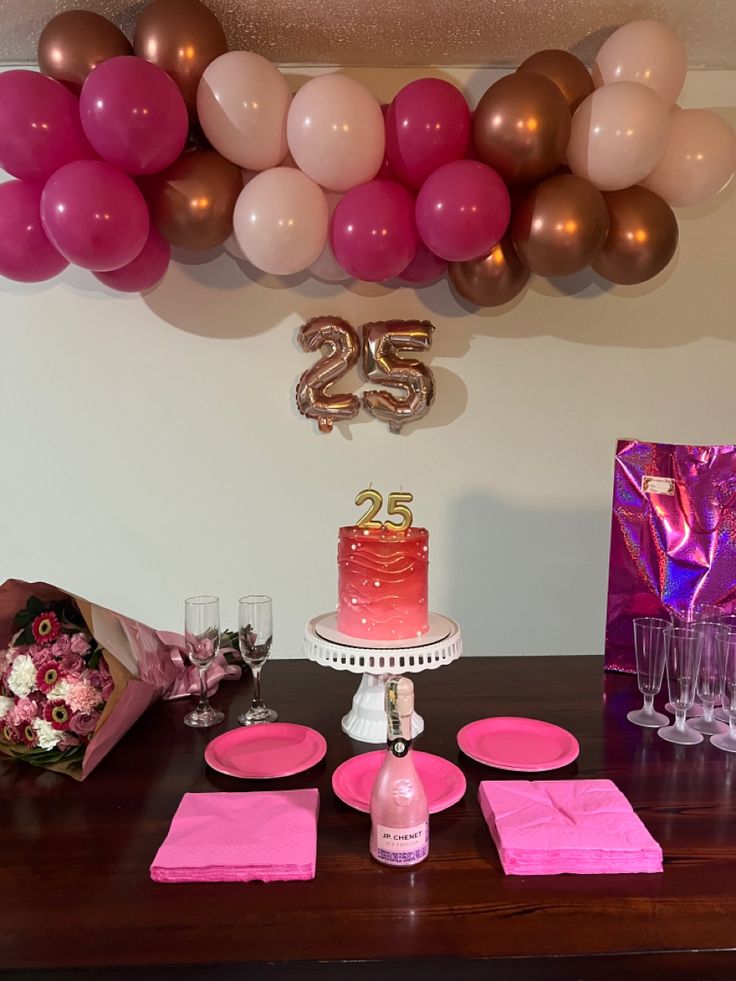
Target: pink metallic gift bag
673	538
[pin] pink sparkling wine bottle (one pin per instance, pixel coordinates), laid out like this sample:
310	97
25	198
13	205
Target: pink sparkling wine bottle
399	811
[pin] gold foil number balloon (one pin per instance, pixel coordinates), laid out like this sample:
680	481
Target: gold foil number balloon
382	342
343	349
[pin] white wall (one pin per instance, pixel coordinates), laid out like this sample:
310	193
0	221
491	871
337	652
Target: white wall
152	448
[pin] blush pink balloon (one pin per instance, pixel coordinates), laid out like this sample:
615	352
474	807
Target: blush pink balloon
644	51
373	232
335	132
40	129
427	125
280	221
242	103
26	255
462	210
424	268
134	115
699	161
619	134
145	271
95	215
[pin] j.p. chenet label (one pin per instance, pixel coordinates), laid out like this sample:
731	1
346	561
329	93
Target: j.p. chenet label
403	846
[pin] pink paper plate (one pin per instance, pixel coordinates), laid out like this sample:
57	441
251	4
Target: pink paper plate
443	782
262	752
518	744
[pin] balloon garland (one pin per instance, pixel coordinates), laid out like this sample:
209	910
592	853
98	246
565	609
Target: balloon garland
120	152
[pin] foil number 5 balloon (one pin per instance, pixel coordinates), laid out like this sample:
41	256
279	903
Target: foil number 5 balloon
382	364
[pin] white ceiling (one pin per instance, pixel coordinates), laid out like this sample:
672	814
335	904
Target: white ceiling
411	32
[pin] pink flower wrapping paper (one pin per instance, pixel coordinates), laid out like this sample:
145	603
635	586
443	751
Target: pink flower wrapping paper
144	665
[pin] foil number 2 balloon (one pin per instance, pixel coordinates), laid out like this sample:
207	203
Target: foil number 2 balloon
382	343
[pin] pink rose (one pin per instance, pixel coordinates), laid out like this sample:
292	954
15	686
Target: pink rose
61	645
83	725
95	679
107	689
72	663
68	740
79	644
39	655
24	710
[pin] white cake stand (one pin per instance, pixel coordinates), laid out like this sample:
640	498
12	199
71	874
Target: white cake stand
366	720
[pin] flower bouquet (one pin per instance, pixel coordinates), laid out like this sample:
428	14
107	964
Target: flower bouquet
75	676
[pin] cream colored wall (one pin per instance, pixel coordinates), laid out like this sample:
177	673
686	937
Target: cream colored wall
152	448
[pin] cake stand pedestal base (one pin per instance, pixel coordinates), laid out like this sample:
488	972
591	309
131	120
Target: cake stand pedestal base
366	720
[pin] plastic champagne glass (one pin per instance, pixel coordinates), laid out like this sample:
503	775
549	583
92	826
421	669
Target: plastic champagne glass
202	641
651	643
728	622
682	663
255	636
709	681
726	644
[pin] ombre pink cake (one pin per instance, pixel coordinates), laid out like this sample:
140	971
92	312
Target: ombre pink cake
382	583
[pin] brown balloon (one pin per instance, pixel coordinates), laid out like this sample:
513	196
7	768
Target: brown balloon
559	227
75	42
521	127
192	201
642	236
182	37
342	347
568	73
492	281
383	341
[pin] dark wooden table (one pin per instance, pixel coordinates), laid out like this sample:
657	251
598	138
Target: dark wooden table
74	858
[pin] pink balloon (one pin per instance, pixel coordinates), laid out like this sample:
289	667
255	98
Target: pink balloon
242	103
386	173
618	136
424	268
26	255
280	221
463	210
95	215
427	125
644	51
40	129
699	161
134	115
373	234
335	132
145	271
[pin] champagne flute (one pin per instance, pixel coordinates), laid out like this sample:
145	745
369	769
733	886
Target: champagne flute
726	643
202	639
709	680
255	635
682	663
651	642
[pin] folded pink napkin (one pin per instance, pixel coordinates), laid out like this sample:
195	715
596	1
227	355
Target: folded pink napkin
265	835
543	827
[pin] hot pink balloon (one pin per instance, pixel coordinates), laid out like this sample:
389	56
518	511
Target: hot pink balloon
134	115
644	51
618	136
26	255
463	210
386	173
373	234
145	271
699	161
424	268
40	129
95	215
427	125
335	132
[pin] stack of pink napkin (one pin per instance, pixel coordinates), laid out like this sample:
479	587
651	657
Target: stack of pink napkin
543	827
270	836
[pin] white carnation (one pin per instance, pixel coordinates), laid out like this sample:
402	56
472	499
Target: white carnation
60	692
5	706
22	678
48	737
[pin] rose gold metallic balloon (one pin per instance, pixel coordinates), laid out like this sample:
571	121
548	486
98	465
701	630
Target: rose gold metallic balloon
382	342
521	127
568	73
491	281
342	352
559	227
182	37
75	42
642	236
192	201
